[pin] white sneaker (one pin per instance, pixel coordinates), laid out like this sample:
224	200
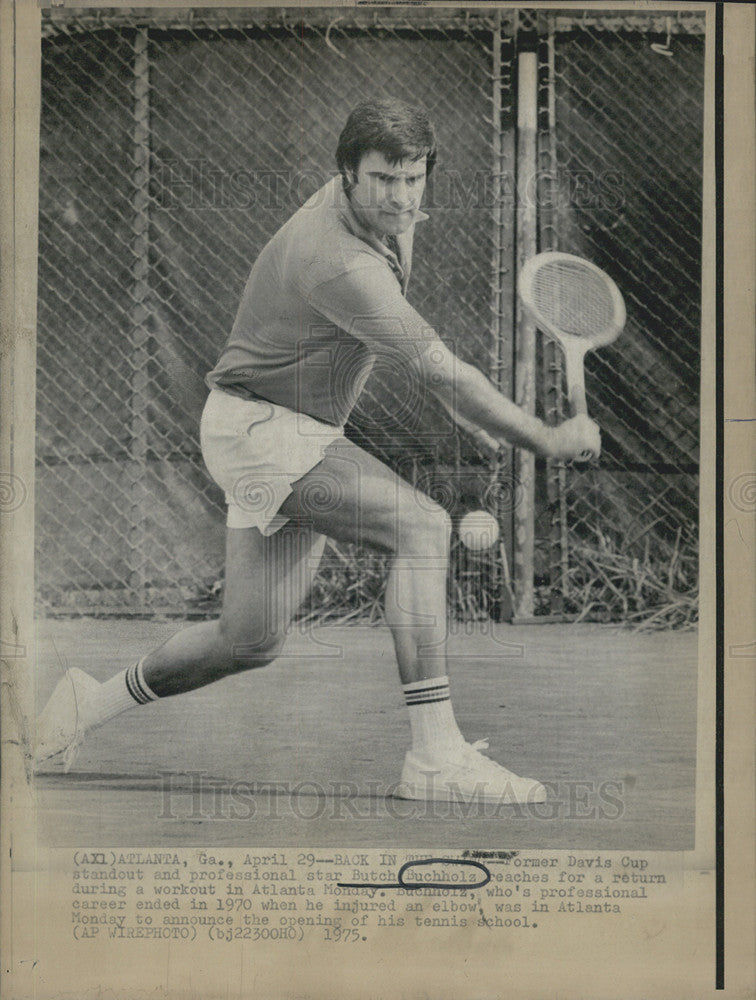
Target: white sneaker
465	775
60	726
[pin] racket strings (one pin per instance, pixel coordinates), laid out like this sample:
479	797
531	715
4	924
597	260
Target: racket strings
573	298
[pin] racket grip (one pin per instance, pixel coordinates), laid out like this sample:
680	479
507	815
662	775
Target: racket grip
575	377
579	407
578	404
576	394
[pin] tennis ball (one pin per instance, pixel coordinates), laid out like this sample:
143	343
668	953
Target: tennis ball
478	530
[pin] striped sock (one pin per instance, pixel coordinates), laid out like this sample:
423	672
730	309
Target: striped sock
120	693
137	686
432	721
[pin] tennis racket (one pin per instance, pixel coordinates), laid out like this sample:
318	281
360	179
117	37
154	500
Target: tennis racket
578	305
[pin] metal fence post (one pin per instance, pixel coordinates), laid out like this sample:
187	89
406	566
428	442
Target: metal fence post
525	359
553	403
140	246
501	345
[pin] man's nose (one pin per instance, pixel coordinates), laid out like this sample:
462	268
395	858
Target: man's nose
400	194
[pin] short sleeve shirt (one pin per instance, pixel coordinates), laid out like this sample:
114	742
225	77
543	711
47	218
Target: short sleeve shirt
324	299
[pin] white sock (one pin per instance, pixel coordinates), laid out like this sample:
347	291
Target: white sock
434	728
117	695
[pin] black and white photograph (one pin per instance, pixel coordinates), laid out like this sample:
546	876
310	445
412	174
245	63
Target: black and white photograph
453	517
373	447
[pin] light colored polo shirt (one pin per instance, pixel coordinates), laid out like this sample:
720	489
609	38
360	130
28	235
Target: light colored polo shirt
324	299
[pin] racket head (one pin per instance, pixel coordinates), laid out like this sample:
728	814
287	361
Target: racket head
572	299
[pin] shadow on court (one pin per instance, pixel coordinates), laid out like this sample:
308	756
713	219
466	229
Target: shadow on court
306	752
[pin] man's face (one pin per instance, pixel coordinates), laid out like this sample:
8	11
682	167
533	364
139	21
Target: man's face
386	197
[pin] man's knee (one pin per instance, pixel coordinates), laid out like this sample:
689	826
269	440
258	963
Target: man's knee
425	530
246	647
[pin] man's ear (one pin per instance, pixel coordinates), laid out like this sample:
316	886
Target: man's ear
350	178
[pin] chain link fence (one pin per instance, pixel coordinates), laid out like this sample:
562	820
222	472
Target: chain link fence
172	148
621	158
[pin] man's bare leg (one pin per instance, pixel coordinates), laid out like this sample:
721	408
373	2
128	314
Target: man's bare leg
372	505
267	579
377	508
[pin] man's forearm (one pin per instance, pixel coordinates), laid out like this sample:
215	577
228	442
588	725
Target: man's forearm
473	398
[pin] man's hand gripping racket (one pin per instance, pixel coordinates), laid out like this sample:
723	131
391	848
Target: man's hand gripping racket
577	304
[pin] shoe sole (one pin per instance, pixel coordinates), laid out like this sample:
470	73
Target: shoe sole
66	754
405	790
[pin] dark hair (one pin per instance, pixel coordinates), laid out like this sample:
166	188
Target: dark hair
398	130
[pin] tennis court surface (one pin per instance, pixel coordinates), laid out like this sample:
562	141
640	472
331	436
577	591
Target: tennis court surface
305	752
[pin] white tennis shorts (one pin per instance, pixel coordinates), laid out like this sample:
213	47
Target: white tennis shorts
255	450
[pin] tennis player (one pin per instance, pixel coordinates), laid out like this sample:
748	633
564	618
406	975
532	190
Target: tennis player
324	299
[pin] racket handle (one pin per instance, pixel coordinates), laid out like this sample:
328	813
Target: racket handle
578	405
575	372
